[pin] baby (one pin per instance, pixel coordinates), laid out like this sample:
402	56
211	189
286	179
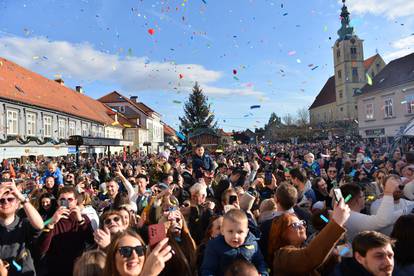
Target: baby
235	242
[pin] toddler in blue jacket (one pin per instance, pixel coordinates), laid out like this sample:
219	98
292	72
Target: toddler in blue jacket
235	243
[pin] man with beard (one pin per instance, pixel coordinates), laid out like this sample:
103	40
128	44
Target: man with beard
373	255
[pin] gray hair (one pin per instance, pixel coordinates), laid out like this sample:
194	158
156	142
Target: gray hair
198	188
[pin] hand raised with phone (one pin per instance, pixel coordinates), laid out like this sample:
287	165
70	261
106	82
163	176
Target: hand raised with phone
60	213
341	212
156	260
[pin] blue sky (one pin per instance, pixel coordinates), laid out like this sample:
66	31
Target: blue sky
104	45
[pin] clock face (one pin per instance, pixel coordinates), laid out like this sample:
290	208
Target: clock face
353	41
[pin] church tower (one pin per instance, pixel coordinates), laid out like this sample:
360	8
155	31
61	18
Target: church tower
348	55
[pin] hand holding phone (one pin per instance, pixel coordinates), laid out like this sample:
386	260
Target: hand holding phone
156	233
337	194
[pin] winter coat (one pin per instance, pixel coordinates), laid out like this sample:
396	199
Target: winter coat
349	266
202	163
311	257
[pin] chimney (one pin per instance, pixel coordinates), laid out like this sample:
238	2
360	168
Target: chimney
60	81
133	98
79	89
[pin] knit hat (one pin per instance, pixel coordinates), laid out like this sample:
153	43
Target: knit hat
164	154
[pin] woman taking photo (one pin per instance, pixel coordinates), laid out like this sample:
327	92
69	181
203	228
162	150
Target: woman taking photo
126	256
112	223
288	235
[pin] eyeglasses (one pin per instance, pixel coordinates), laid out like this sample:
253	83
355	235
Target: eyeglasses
67	199
298	224
333	171
126	251
9	200
108	221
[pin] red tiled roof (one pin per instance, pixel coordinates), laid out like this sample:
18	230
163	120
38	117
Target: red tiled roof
397	72
22	85
169	130
327	94
113	97
368	62
116	97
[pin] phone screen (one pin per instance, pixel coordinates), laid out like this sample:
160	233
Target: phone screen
268	178
337	194
156	233
232	199
64	203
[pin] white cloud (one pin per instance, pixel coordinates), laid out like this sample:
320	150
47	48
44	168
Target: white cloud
389	8
403	47
132	74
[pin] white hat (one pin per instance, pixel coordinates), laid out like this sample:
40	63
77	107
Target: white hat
409	190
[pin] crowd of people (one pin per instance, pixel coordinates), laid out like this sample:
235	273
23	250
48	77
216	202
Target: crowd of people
269	209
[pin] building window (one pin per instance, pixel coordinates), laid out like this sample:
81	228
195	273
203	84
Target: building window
338	53
85	131
339	74
355	77
341	94
72	128
353	52
342	109
122	109
100	131
369	111
62	128
409	100
12	122
94	131
388	112
47	126
30	124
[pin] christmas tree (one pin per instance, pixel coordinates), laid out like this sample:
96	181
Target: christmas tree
197	112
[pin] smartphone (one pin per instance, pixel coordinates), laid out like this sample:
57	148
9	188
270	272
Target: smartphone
232	199
337	194
268	178
156	233
64	203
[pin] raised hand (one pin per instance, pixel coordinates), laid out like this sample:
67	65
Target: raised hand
156	260
102	237
341	212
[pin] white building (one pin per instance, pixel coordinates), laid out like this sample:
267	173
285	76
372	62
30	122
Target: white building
37	115
149	128
387	106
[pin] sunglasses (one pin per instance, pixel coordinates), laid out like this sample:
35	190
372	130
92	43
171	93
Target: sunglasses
108	221
126	251
298	224
9	200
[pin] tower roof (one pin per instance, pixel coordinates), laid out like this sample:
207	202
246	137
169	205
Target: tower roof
346	31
